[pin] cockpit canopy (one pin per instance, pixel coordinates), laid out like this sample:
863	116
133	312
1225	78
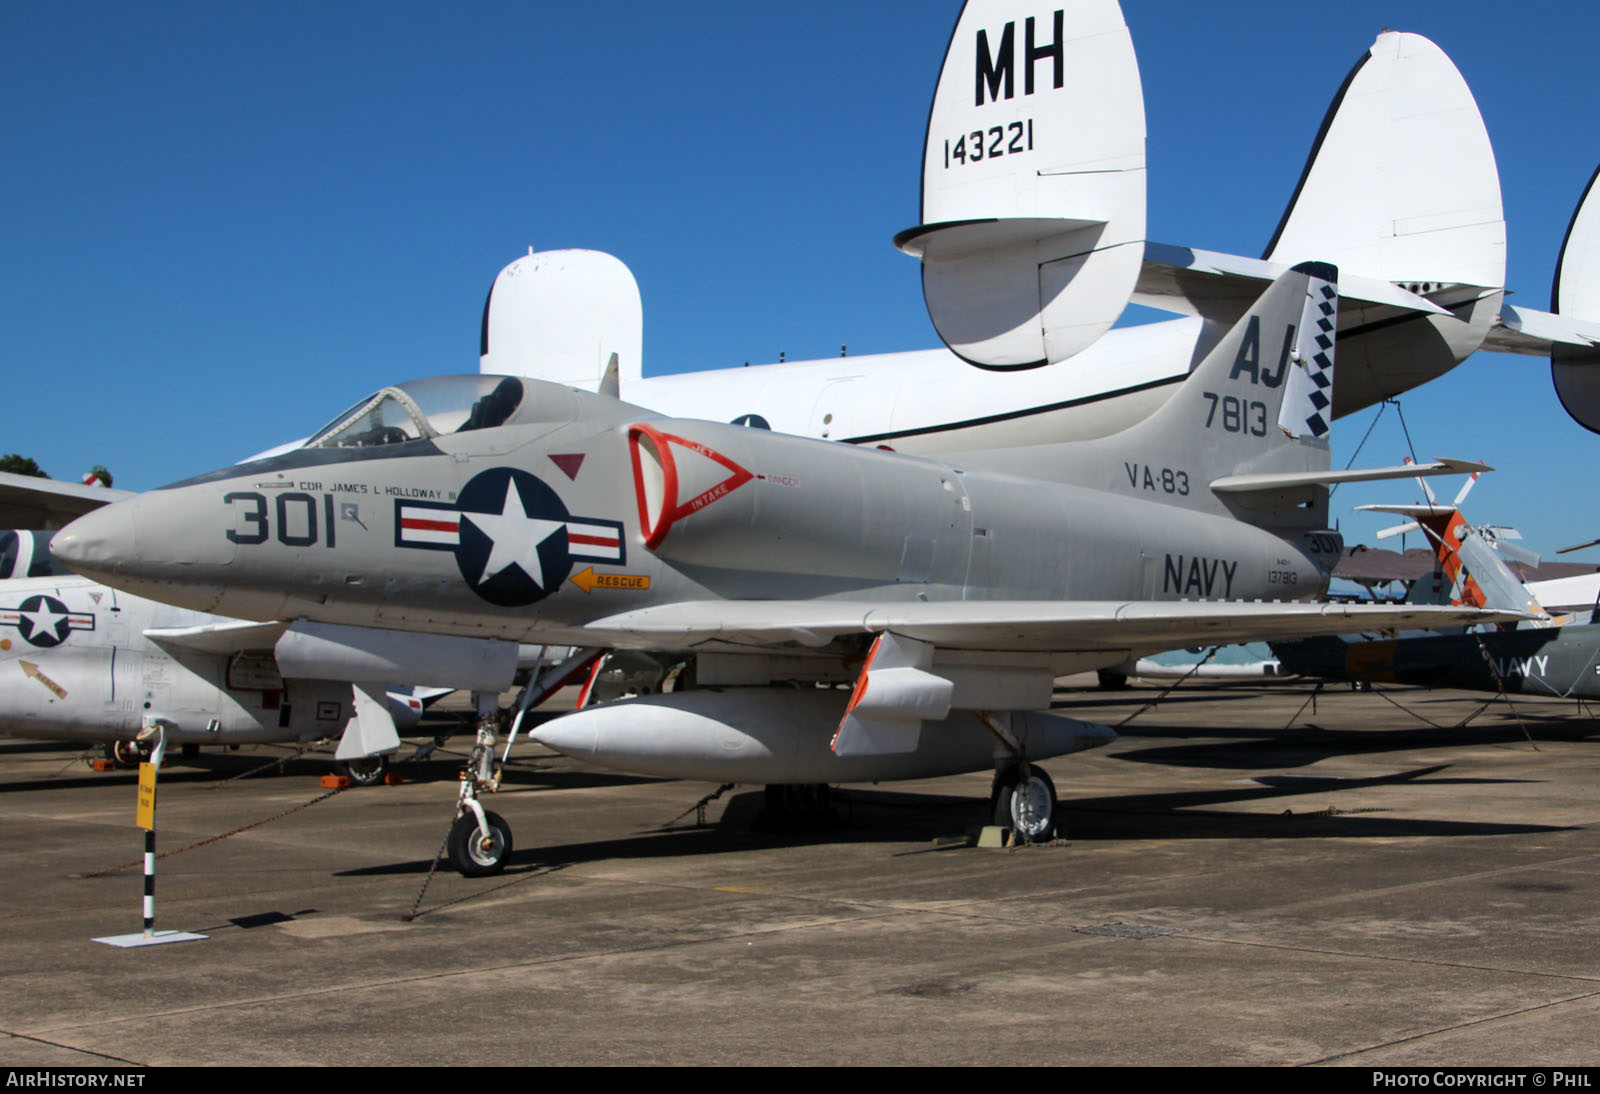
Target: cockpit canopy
423	409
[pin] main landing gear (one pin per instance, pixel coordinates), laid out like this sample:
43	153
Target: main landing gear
799	805
366	771
1024	800
126	754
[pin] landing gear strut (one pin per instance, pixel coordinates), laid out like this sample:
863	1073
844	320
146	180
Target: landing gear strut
480	841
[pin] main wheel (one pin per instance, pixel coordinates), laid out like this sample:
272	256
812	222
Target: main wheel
1025	804
126	754
365	771
470	853
1111	679
798	804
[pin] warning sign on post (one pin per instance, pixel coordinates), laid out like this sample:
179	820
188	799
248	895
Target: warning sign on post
146	815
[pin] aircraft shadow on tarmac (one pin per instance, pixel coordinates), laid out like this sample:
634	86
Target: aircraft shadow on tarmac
858	816
1185	814
896	817
1307	742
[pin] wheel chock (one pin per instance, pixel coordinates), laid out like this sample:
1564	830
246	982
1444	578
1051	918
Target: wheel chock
102	765
336	782
992	835
393	779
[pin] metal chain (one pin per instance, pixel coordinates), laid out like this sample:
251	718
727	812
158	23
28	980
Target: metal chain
433	868
1209	654
1500	684
222	835
703	802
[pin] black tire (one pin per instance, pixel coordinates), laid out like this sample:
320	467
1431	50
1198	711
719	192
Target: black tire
468	852
126	754
1027	806
798	804
366	771
1112	679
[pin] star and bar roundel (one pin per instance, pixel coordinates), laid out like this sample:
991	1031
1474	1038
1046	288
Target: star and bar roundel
44	621
514	541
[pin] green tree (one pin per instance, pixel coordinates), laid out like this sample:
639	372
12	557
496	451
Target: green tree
21	465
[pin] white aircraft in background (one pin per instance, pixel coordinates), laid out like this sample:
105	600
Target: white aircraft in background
1032	241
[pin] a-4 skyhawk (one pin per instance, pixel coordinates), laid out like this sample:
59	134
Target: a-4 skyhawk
854	614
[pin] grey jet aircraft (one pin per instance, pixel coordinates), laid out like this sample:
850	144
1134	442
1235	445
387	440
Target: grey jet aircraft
853	614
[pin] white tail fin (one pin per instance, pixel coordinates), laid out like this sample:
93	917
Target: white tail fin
1575	370
1033	185
563	316
1401	183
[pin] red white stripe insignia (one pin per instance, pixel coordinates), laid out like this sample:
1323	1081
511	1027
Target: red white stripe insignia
427	526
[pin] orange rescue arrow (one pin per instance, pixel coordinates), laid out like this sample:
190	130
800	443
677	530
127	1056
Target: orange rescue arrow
33	670
587	580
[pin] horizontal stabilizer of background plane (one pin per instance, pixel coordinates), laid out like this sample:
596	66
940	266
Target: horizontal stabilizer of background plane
1033	182
561	316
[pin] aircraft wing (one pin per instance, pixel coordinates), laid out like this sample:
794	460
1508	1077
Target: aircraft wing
27	501
1014	626
224	636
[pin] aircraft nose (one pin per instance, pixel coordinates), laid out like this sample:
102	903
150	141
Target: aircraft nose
158	545
98	544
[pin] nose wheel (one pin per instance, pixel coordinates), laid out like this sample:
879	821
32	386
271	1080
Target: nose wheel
479	850
479	843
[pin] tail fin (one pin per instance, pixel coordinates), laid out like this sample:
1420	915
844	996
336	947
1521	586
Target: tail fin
1574	369
1478	576
1257	405
1401	182
1033	181
563	316
1245	435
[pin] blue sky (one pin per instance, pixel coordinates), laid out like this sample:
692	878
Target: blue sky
225	222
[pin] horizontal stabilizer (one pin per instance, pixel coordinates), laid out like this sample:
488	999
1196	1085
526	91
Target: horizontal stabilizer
1295	480
1033	183
1221	286
1536	333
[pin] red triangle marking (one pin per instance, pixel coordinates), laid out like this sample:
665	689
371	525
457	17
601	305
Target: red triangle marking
569	463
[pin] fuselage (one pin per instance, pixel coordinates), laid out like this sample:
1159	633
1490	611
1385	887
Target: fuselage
79	667
582	507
